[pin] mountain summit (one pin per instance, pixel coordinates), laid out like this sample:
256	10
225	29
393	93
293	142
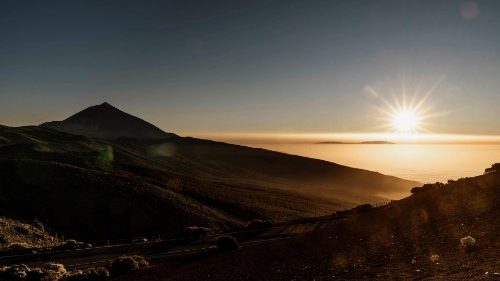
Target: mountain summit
108	122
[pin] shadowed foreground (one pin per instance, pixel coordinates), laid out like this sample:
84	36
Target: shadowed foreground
394	242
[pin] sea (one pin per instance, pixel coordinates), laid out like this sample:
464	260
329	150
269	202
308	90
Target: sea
425	163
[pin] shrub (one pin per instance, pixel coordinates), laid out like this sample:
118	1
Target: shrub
227	243
256	224
493	169
36	274
89	274
73	245
18	246
434	258
51	272
141	261
196	231
14	273
70	245
416	190
55	270
343	213
123	265
426	187
39	225
363	208
127	264
468	243
22	229
3	240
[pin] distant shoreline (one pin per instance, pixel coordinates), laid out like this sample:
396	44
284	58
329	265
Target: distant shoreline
363	142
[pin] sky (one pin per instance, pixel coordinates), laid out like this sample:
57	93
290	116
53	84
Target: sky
266	67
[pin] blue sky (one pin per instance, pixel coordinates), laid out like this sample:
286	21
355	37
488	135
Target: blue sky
251	66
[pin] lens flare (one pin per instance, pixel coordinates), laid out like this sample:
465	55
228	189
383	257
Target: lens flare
404	115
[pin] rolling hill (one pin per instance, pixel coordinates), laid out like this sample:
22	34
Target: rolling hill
416	238
104	174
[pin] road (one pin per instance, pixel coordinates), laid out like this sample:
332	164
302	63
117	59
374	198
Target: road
174	250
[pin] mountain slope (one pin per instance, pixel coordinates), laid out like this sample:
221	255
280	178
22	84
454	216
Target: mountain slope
95	188
106	121
393	242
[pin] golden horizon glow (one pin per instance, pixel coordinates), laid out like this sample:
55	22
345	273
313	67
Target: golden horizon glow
303	138
404	119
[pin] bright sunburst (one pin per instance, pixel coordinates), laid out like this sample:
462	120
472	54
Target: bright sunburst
405	121
405	115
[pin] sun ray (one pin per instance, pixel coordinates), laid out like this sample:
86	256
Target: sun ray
409	111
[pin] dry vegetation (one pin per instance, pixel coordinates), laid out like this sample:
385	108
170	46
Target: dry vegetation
95	190
17	235
57	272
449	232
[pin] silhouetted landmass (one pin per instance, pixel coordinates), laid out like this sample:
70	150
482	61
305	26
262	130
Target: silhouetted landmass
376	142
363	142
106	121
94	189
445	232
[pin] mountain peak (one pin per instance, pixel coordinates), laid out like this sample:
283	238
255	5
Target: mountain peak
108	122
106	104
97	113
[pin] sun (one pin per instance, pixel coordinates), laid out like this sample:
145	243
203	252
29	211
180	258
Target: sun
405	115
405	121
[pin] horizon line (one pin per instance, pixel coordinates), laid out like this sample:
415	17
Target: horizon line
311	138
353	137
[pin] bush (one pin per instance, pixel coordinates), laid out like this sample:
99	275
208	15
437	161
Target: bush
36	274
342	213
468	243
426	187
196	231
493	169
55	270
3	240
70	245
89	274
127	264
363	208
18	246
141	261
24	273
256	224
50	272
434	258
123	265
14	273
22	229
227	243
